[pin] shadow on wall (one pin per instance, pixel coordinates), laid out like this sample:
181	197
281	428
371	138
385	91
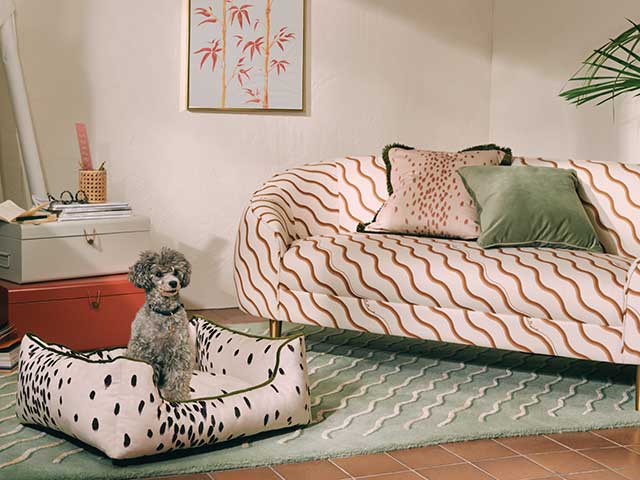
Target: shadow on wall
210	258
12	180
554	37
448	21
537	46
60	28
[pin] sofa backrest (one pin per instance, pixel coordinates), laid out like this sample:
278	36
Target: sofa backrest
362	189
610	193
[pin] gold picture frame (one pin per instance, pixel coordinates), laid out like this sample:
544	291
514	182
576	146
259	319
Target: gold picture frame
235	19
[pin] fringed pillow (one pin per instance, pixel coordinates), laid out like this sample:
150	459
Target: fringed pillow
426	196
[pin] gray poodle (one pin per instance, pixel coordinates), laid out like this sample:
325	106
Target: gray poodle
160	331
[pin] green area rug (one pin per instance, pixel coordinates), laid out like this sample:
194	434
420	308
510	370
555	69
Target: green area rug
370	393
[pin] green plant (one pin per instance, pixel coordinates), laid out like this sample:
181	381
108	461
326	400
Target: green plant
610	71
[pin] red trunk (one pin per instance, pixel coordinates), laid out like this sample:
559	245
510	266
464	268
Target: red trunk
62	311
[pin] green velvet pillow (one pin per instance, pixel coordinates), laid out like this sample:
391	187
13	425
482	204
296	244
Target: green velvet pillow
529	207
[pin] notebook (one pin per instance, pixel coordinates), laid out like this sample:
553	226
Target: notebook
11	213
9	353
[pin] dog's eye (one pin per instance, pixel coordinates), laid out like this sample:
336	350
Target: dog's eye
158	274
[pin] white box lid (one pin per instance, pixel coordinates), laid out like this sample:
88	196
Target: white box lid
75	228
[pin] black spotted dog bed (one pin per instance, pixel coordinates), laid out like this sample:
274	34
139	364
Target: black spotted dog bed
243	384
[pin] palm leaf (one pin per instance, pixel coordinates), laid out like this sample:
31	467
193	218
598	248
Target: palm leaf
598	96
594	79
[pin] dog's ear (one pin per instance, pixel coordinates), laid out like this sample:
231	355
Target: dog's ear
179	262
140	272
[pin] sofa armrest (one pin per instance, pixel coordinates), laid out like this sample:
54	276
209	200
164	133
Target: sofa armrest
631	320
261	241
295	204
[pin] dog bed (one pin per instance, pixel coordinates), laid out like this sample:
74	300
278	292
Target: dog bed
243	384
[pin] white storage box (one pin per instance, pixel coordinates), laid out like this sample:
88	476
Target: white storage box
59	250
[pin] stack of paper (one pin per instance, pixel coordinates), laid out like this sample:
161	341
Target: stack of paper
9	354
12	213
92	211
9	347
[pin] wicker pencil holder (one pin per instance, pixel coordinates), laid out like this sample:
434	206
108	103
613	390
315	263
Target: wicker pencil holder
94	184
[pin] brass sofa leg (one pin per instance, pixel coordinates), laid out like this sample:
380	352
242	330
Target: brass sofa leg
275	328
638	388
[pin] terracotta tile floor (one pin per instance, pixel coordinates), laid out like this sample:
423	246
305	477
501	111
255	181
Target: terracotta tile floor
599	455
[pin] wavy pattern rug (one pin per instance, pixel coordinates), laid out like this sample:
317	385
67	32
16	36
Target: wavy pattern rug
370	393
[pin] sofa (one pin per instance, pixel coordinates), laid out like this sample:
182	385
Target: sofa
299	259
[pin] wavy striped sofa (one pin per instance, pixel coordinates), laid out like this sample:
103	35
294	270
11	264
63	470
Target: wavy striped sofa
298	259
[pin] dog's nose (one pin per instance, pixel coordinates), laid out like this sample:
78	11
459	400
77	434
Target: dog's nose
173	284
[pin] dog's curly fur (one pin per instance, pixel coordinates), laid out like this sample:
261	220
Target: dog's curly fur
160	331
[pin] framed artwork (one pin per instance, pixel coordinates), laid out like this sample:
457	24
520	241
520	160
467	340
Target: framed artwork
246	55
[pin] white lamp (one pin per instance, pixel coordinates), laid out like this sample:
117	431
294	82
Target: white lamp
18	94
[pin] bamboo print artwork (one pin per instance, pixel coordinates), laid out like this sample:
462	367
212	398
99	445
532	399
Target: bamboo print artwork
223	96
267	51
246	55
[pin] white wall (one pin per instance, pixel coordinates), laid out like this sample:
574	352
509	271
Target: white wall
537	46
415	71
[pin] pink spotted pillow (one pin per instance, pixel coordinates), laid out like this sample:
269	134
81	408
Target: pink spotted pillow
428	198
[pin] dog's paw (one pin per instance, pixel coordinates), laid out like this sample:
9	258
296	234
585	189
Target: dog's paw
173	395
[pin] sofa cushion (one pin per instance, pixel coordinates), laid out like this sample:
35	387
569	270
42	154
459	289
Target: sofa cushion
529	207
427	197
610	193
546	283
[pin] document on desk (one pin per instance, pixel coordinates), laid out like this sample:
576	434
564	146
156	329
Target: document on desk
10	212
